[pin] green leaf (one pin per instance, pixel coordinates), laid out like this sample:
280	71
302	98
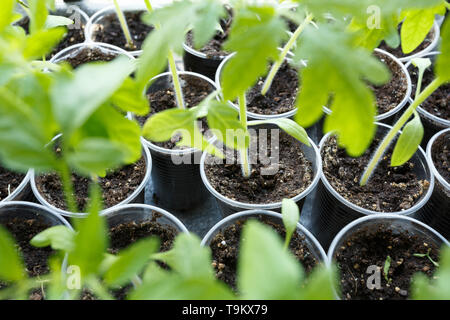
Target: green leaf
265	270
75	99
223	120
207	15
164	125
443	60
6	13
291	216
57	21
320	284
91	239
289	126
130	262
42	42
130	98
387	265
415	28
58	237
255	36
11	264
38	15
408	142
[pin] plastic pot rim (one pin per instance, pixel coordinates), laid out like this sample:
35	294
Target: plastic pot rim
179	152
436	173
19	188
266	206
405	99
131	197
422	111
111	10
248	213
116	210
368	212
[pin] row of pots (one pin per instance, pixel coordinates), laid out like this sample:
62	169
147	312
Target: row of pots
138	214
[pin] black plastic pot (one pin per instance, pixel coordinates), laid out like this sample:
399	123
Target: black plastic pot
431	123
228	206
436	212
331	211
199	62
176	173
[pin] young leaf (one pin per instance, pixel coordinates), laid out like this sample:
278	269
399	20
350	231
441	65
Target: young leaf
6	13
164	125
291	216
130	262
57	21
11	264
58	237
422	64
207	15
265	270
255	36
130	98
39	13
320	284
408	142
387	265
41	42
443	60
287	125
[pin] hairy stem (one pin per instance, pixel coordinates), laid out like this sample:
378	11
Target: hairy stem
396	128
176	81
276	66
244	151
124	25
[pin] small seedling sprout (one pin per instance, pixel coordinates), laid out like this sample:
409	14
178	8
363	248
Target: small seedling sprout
423	255
291	216
124	25
387	265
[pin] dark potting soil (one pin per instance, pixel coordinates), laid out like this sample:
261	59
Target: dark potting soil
398	52
195	90
9	181
23	230
390	189
294	174
281	96
73	36
438	103
116	186
89	55
213	49
110	31
225	250
391	94
371	247
441	156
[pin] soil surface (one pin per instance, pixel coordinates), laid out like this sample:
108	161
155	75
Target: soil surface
116	186
441	156
390	95
438	103
225	250
398	52
372	247
73	36
195	90
281	96
294	174
89	55
9	181
110	31
23	230
213	49
390	189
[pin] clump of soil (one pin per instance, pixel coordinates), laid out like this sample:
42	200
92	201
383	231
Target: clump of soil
225	250
371	247
89	55
293	175
398	52
438	102
441	156
195	90
213	49
110	31
23	230
281	96
9	181
391	94
116	186
390	189
73	36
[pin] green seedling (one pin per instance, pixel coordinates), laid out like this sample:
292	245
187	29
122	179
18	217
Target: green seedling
291	216
387	265
124	26
427	255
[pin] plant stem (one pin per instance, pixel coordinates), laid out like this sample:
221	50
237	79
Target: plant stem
176	80
148	5
244	151
66	178
124	25
396	128
24	7
276	66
